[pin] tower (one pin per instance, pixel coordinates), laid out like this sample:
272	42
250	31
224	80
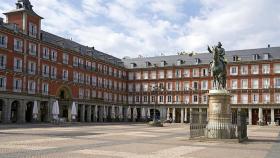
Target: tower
25	19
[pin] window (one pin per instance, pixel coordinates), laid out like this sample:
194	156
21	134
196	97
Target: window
65	58
145	87
244	83
3	41
137	87
244	98
234	99
138	76
169	86
195	72
244	70
87	94
161	74
266	98
256	57
277	98
162	63
131	76
186	85
195	99
169	99
75	77
53	72
255	69
81	93
235	58
177	99
255	83
31	87
277	68
197	61
46	54
169	74
81	64
204	85
32	30
137	99
3	61
178	73
17	65
31	68
177	86
233	70
187	99
234	84
32	49
266	83
153	75
18	46
87	79
204	99
152	99
179	62
186	73
3	81
65	75
161	100
266	56
195	85
145	75
132	65
45	70
265	69
53	55
17	85
255	98
93	80
277	82
204	72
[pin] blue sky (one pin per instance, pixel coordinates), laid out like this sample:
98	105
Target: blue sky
154	27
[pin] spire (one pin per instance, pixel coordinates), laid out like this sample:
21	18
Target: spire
25	4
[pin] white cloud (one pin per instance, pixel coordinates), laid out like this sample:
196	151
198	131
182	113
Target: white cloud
147	27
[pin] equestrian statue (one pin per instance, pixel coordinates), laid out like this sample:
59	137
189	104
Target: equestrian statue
218	66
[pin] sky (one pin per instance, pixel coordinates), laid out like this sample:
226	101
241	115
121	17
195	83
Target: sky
160	27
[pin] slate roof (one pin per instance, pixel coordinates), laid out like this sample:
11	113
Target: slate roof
243	55
84	50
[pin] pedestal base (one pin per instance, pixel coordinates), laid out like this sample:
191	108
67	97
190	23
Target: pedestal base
220	131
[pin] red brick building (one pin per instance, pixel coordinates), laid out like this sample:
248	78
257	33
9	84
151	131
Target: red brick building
38	66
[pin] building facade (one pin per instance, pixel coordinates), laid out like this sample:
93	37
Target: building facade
38	66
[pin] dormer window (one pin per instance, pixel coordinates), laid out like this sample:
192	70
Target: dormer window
256	57
179	62
132	65
235	58
163	63
266	56
148	64
197	61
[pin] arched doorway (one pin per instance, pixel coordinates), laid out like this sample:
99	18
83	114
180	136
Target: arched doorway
156	112
65	101
15	111
29	111
1	110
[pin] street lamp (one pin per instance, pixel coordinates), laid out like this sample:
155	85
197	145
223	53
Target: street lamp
155	123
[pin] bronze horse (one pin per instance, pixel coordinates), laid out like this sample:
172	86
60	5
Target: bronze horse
218	69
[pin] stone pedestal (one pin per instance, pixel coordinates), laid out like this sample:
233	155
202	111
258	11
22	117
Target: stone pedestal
219	115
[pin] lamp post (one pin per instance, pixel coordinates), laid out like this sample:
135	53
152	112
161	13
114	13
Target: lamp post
155	123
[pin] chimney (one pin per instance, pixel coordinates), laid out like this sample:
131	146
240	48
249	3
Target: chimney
268	46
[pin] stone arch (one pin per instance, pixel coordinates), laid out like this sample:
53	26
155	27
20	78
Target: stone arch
64	92
15	111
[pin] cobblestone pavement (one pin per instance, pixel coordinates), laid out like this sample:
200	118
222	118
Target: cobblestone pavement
128	141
